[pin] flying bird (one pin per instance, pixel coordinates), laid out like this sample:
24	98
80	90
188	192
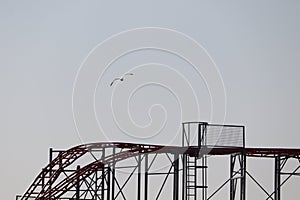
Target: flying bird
121	78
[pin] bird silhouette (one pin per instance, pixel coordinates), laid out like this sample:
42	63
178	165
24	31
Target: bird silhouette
121	78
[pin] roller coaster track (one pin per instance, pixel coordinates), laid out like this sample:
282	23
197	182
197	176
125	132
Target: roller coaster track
41	190
43	187
63	160
97	162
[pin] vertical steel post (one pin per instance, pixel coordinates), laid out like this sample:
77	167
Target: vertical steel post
139	178
204	163
183	132
146	177
108	183
277	178
244	135
113	175
103	175
96	184
184	176
50	154
232	188
204	177
243	176
50	172
195	178
78	185
199	136
204	135
243	170
102	182
175	180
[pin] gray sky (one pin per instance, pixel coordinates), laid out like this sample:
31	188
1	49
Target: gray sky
255	45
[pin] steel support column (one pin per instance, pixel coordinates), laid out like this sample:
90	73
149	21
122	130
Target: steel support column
146	177
232	181
103	175
50	173
176	177
184	174
277	183
199	135
108	182
139	178
243	176
239	173
78	185
113	173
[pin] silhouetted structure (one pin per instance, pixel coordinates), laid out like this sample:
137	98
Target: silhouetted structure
110	168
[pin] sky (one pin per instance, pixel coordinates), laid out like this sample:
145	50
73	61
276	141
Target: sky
255	46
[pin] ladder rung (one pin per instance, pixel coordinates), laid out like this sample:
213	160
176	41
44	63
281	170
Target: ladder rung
203	167
197	186
200	186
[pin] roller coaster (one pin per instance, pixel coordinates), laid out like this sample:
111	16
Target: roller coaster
116	170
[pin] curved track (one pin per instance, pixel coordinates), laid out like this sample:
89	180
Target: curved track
41	186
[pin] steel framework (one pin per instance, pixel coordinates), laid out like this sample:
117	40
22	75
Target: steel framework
110	171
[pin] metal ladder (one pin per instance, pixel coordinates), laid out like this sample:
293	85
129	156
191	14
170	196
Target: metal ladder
196	168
